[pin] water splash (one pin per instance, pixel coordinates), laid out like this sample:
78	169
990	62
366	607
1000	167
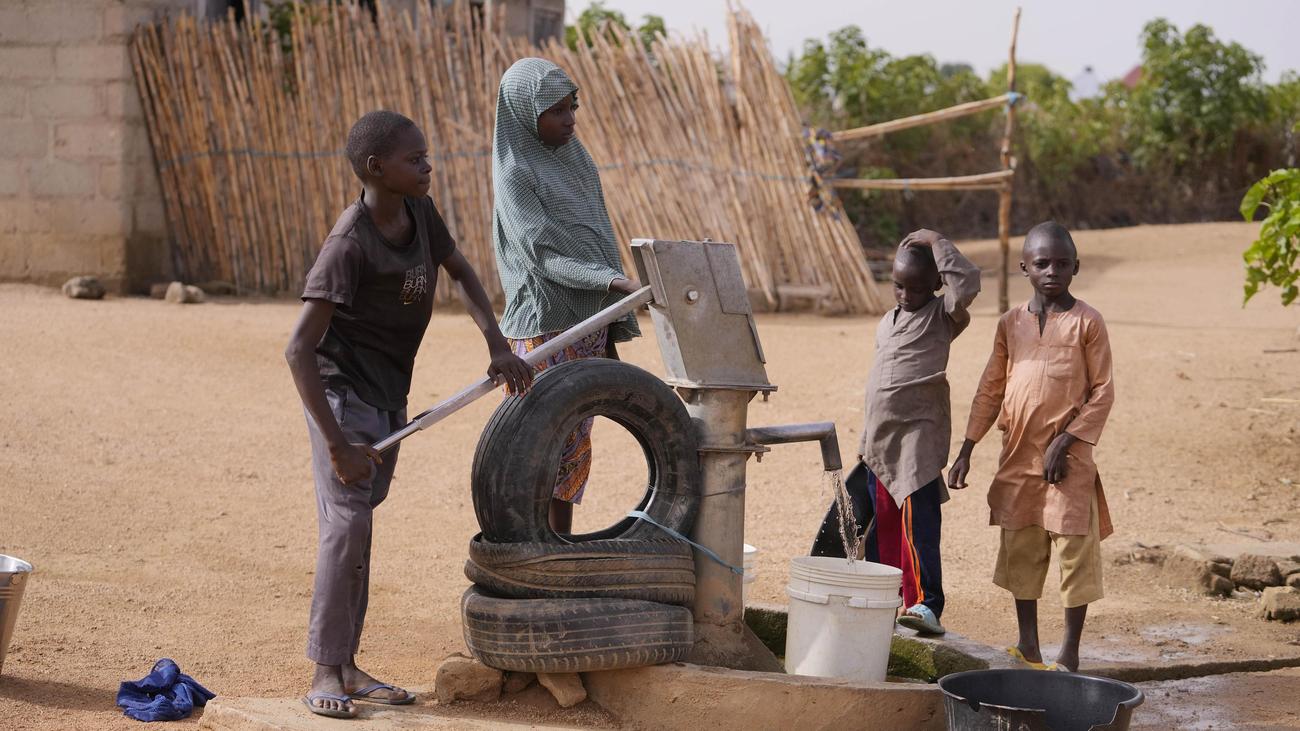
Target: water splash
850	535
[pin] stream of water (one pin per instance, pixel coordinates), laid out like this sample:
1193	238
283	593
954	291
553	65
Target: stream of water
850	535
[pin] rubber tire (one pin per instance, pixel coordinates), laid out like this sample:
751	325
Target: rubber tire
657	571
518	455
573	635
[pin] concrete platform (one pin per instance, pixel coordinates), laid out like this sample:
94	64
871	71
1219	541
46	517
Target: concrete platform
289	714
677	696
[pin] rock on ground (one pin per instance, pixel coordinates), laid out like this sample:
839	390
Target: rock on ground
1188	568
84	288
1281	603
566	687
1288	567
181	294
1256	572
1293	581
463	678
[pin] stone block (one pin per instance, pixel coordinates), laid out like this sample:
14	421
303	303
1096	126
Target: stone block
1293	581
26	62
55	256
149	217
48	21
51	101
121	19
1280	603
91	140
462	678
101	61
84	288
13	23
13	100
768	623
60	178
20	216
1256	572
1188	568
122	101
928	661
1288	567
115	180
683	696
11	177
24	139
91	217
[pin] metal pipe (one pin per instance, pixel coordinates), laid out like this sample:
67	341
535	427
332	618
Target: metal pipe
485	385
821	431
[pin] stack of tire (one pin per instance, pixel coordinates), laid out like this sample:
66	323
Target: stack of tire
617	598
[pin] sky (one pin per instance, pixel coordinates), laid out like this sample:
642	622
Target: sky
1064	35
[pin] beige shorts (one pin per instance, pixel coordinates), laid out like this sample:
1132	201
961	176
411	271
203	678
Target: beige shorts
1023	556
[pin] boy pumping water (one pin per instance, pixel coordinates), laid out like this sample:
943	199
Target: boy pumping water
367	302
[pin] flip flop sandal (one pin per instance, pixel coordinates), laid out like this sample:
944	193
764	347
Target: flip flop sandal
1015	652
921	619
363	694
310	702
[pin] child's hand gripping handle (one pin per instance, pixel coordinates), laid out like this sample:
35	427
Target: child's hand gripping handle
484	386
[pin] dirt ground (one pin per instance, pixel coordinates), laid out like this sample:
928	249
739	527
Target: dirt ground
154	465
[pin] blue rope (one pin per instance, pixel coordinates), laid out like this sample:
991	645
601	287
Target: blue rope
642	515
1013	97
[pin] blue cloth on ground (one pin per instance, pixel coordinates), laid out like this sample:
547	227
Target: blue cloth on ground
165	694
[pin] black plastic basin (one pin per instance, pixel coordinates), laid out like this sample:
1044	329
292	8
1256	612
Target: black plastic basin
1036	700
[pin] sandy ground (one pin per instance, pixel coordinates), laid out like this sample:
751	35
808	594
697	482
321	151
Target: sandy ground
154	466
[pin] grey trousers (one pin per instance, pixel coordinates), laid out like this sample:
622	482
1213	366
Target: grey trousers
344	516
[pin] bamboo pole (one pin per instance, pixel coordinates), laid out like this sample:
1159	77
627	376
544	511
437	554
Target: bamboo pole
984	181
1008	165
919	120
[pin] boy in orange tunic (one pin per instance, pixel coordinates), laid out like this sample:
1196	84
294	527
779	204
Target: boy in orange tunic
1048	388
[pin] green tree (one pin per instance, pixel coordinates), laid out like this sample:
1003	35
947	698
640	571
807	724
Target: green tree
597	17
1272	258
1196	92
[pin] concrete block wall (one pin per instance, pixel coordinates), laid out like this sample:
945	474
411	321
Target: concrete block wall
79	192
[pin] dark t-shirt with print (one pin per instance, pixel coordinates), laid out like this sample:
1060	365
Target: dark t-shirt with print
384	298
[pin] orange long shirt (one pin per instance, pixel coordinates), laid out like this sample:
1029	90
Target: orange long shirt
1033	388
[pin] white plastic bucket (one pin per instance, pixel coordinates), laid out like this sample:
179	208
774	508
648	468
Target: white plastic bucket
841	617
13	579
751	572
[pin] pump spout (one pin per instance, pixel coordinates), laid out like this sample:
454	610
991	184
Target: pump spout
822	432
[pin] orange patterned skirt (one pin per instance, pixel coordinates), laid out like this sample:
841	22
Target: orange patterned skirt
575	460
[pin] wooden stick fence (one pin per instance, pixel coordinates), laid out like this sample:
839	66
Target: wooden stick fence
248	137
999	180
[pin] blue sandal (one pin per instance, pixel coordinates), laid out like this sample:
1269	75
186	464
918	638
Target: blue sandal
921	618
310	702
363	694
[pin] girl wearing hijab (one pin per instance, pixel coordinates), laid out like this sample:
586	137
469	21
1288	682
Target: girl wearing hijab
556	253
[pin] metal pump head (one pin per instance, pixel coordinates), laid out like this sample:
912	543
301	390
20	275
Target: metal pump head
701	314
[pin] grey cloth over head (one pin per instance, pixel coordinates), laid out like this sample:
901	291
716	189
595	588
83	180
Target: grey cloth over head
555	247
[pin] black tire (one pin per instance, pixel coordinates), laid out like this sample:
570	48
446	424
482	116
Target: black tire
573	635
657	571
518	455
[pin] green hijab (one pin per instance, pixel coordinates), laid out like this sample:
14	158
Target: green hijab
555	247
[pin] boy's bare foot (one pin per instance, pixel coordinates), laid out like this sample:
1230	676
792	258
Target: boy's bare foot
355	679
1068	660
328	680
